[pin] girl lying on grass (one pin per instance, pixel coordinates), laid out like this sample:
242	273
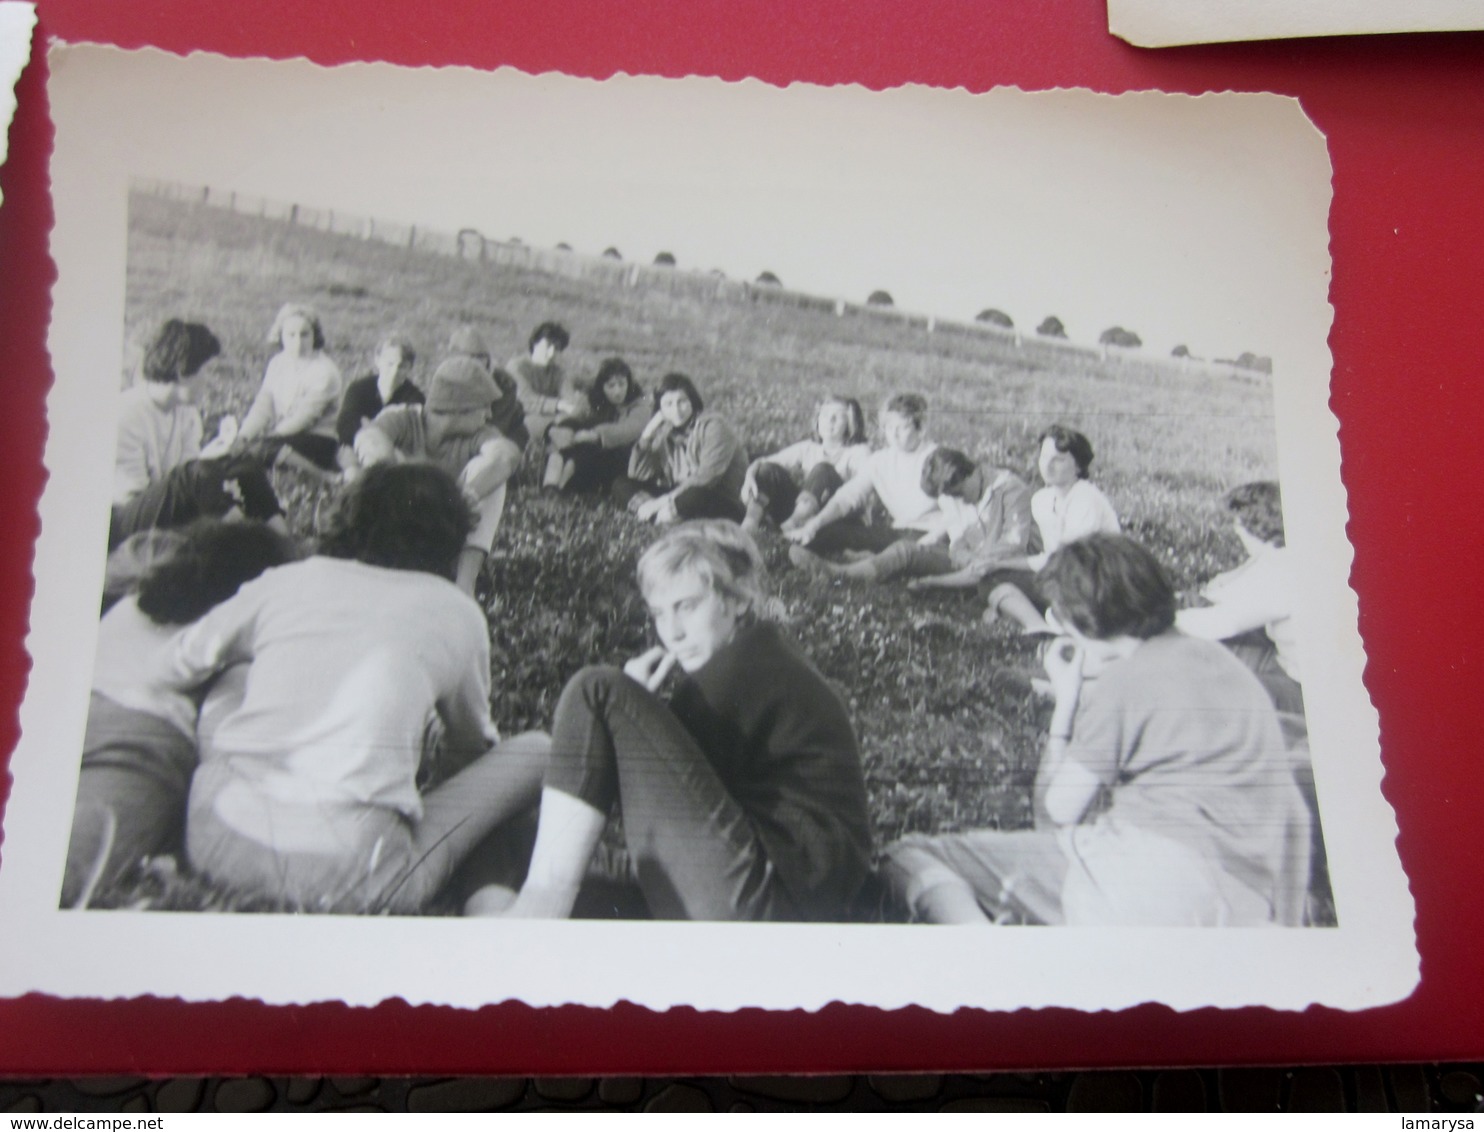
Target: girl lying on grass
339	677
589	451
686	464
139	749
1164	796
791	485
742	797
1069	507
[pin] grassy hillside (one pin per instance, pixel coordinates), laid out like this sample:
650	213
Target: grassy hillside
949	733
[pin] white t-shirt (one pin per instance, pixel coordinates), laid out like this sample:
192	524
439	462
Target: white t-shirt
1259	592
350	668
896	478
1082	511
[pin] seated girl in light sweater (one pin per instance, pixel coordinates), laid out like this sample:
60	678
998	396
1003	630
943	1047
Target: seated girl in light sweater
742	796
296	407
354	672
1164	796
791	485
139	749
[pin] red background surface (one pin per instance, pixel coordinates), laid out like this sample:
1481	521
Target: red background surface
1404	116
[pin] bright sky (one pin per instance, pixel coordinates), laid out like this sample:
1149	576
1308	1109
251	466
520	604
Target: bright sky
1172	216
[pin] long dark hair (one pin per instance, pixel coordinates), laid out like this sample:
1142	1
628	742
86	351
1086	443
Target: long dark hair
213	560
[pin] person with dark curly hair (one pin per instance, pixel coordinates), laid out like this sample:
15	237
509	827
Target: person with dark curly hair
163	476
348	680
590	450
139	748
1164	797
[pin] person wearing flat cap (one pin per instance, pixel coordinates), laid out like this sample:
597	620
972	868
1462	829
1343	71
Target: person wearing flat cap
506	412
453	431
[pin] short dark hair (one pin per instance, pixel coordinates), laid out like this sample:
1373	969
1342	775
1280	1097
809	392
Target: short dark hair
679	381
401	516
617	367
553	332
1258	506
213	560
178	349
1107	586
913	406
944	470
1071	441
855	432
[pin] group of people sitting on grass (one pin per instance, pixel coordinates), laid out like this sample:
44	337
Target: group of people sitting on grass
315	730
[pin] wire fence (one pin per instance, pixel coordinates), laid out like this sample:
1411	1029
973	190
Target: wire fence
470	244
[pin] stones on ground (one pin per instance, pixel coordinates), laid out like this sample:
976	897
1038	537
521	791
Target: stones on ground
1179	1090
1250	1090
1106	1092
136	1104
1409	1087
354	1086
180	1094
679	1098
28	1102
302	1090
568	1089
244	1094
903	1087
106	1086
996	1104
798	1090
467	1094
620	1090
1316	1089
1370	1089
1460	1088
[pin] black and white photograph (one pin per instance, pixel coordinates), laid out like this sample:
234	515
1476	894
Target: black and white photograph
856	542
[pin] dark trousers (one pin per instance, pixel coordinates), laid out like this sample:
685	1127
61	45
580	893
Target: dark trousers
692	503
694	849
852	534
779	494
595	468
194	490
